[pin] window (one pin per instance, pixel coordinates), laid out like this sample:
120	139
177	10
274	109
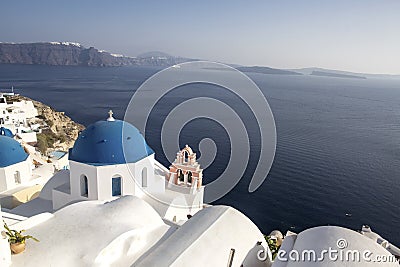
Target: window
181	177
144	177
189	177
17	177
84	186
116	186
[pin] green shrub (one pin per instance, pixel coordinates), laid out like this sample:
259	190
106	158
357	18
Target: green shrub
15	236
272	246
46	140
42	144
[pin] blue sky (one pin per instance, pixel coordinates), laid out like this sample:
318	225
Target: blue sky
359	35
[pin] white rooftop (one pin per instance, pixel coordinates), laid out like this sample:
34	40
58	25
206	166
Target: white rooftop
93	233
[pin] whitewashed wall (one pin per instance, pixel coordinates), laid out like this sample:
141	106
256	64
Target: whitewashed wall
7	178
5	253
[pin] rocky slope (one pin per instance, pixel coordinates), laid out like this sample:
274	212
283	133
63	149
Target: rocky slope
74	54
58	130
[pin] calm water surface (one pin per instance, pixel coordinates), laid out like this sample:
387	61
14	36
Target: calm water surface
338	145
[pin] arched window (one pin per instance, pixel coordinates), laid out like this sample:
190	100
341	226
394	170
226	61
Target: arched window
144	177
185	156
180	175
17	177
116	186
84	186
189	177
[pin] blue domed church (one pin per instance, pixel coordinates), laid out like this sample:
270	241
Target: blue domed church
110	159
15	166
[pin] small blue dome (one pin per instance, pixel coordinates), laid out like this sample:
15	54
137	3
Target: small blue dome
11	152
102	143
6	132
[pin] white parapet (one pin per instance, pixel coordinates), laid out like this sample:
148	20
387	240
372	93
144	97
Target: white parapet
5	253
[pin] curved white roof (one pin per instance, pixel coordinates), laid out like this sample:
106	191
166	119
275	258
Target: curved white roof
94	233
352	249
207	238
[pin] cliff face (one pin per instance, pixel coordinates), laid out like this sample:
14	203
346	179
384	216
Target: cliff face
73	54
62	126
58	130
58	54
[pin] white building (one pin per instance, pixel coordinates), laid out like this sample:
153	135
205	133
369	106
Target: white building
20	180
16	115
109	159
129	207
15	164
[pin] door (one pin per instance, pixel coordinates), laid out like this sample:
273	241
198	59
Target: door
116	186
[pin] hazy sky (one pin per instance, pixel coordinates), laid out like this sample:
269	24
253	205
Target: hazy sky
360	36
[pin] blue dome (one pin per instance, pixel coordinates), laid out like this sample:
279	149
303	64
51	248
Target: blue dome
6	132
102	143
11	152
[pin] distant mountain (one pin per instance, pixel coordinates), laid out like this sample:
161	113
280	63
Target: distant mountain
337	75
267	70
58	53
154	54
74	54
157	58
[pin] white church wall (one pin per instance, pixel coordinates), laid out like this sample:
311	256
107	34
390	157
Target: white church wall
77	172
99	180
158	185
144	172
131	178
175	206
139	179
105	175
15	175
197	201
146	178
3	180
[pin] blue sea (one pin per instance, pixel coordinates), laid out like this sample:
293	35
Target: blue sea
338	139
